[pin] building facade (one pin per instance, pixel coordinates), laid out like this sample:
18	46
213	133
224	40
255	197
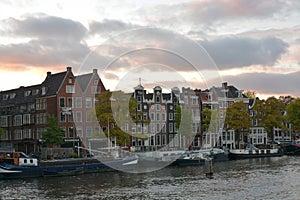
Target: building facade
24	111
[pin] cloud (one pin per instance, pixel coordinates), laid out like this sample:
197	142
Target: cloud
267	83
44	26
233	52
109	26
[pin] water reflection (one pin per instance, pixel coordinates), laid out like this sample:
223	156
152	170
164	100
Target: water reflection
265	178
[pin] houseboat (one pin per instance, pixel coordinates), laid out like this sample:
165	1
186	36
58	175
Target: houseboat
253	152
292	149
19	165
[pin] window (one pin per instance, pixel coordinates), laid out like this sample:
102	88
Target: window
18	134
71	117
70	80
41	104
3	121
163	128
71	132
78	102
18	120
157	107
139	107
170	116
157	99
157	116
27	133
26	119
43	90
27	93
157	128
88	132
70	102
170	127
194	100
152	116
70	89
62	117
88	102
79	131
163	116
78	116
62	102
96	90
139	98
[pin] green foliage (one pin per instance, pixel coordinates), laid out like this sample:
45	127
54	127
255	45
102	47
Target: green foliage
273	115
178	116
237	118
293	114
53	134
113	109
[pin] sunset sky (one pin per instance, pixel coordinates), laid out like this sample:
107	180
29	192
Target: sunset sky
254	45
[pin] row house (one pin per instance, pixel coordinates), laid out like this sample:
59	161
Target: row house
24	111
158	112
258	134
218	99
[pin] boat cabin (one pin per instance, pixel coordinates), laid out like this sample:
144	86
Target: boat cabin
17	159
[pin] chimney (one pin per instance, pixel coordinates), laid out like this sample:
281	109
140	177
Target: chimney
94	71
69	68
224	85
48	74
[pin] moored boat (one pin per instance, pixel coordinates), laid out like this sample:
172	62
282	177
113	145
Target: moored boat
292	149
18	165
253	152
198	157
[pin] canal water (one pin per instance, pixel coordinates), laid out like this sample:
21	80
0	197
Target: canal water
263	178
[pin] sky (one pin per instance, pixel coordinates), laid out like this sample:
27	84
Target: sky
253	45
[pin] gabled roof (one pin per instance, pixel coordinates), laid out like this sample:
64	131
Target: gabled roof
83	81
53	83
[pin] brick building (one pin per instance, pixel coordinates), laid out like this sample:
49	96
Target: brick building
24	111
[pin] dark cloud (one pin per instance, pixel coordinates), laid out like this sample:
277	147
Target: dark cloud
44	53
267	83
238	52
44	26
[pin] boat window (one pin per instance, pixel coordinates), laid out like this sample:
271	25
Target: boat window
25	161
31	161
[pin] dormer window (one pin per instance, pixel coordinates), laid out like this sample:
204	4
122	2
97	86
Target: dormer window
27	93
70	80
43	90
12	95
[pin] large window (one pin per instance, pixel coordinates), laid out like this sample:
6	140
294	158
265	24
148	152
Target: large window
26	119
3	121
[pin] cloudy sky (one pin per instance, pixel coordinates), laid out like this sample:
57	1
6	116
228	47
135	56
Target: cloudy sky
254	45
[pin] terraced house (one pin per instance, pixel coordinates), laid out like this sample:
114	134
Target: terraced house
24	110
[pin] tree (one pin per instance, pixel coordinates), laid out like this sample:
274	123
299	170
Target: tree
293	114
273	115
210	120
53	134
238	119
